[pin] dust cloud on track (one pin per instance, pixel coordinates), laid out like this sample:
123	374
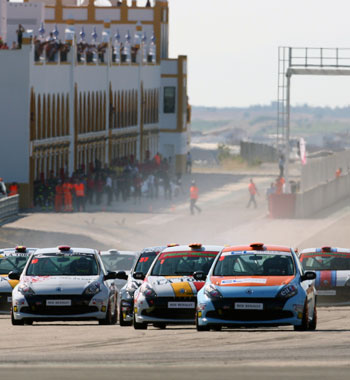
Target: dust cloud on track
86	350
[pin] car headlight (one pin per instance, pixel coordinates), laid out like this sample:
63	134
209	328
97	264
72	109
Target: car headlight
92	289
212	292
288	291
132	287
148	291
26	290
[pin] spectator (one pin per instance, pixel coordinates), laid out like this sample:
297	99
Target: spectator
189	163
281	163
253	191
109	189
79	188
20	32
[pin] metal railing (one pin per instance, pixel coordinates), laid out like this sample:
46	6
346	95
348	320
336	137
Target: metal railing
8	207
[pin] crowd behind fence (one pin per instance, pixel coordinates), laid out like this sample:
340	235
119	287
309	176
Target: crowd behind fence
319	171
8	207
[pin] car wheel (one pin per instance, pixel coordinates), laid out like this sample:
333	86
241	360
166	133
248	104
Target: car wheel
111	318
16	322
201	328
161	326
122	322
305	321
313	322
139	326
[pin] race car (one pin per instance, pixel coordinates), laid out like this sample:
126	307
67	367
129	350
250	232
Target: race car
117	261
332	267
257	285
168	294
11	259
64	283
134	280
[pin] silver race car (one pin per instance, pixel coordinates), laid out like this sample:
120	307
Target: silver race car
11	259
168	294
134	280
117	261
64	283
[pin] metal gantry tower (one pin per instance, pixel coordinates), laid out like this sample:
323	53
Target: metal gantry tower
302	61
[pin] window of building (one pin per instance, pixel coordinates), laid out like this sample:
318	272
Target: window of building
169	99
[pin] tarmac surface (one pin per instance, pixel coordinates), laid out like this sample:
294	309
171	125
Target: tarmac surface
86	350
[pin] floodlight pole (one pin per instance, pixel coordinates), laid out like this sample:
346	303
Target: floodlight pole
287	136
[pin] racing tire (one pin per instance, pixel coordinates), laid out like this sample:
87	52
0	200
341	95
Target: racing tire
313	322
16	322
161	326
201	328
305	320
122	322
139	326
110	319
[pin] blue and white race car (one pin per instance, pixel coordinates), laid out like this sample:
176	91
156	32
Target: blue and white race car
257	285
64	283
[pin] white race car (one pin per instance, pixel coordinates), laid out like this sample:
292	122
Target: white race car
168	294
11	259
64	283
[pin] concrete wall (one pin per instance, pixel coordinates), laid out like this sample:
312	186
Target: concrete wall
253	152
3	20
319	198
14	111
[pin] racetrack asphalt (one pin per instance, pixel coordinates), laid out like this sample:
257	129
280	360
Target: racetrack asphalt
88	351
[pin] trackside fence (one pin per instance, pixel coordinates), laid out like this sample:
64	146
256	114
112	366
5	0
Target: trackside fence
8	207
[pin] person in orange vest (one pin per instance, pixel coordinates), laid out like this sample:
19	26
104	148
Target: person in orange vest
58	196
338	173
79	188
67	193
13	189
253	191
279	185
194	193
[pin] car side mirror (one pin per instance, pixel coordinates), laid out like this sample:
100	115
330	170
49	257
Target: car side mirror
14	275
121	275
308	276
110	276
199	276
139	276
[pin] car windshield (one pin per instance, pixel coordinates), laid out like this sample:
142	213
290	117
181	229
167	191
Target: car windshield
145	262
251	263
118	262
326	261
72	264
183	263
12	262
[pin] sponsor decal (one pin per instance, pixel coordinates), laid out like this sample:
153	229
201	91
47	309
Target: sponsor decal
58	302
244	281
181	305
248	306
326	279
182	289
326	292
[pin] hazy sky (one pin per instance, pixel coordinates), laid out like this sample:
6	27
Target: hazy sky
232	48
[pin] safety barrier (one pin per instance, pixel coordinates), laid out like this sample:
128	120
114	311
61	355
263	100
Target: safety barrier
8	207
319	198
319	171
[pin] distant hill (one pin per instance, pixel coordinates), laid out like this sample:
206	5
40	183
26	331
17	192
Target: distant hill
320	126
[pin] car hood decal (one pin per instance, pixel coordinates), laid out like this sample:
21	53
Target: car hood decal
175	286
331	278
58	284
251	280
5	282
